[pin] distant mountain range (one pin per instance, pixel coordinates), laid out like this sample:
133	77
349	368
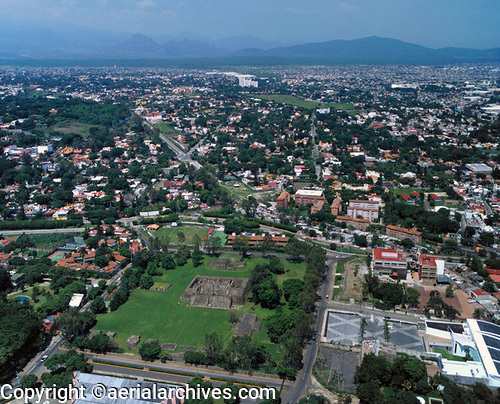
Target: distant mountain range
43	43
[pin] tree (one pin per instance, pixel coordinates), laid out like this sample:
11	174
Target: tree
213	245
291	290
291	349
276	266
73	323
167	261
489	287
369	393
487	238
99	343
98	305
233	397
241	244
146	281
477	314
390	293
370	282
198	382
277	325
214	345
450	291
360	240
412	296
269	294
407	243
181	236
374	369
294	248
267	243
197	258
150	351
250	206
28	381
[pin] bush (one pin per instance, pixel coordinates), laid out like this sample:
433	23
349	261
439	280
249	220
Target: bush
195	358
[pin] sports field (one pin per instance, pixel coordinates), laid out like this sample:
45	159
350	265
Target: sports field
301	103
190	233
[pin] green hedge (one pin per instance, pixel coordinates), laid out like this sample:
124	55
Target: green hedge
286	227
125	365
160	370
39	224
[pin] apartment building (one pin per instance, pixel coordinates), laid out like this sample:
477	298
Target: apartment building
283	200
358	224
305	196
401	233
367	210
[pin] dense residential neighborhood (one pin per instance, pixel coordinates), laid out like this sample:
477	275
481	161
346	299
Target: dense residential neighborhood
319	230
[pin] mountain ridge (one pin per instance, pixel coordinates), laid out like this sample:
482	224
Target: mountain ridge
51	44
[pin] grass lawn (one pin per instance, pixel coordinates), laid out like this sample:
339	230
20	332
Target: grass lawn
72	127
340	267
335	292
189	232
29	293
222	236
167	129
161	315
491	151
241	192
301	103
51	240
445	354
408	191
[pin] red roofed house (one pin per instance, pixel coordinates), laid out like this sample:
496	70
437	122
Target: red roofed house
387	261
478	292
407	198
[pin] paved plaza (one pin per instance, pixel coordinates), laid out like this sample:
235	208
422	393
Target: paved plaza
343	328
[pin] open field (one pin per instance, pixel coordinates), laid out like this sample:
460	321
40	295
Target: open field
189	231
299	102
51	240
491	151
72	127
167	129
355	270
408	191
458	301
154	314
241	192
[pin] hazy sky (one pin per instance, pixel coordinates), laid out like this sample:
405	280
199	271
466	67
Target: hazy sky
434	23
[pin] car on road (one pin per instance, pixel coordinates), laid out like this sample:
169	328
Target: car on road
387	318
42	359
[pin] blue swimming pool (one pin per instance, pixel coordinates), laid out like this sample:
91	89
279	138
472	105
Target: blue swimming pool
23	299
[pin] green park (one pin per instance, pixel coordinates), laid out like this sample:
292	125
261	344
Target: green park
162	315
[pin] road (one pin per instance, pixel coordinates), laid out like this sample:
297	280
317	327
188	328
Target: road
43	231
315	152
180	154
175	368
36	366
303	381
